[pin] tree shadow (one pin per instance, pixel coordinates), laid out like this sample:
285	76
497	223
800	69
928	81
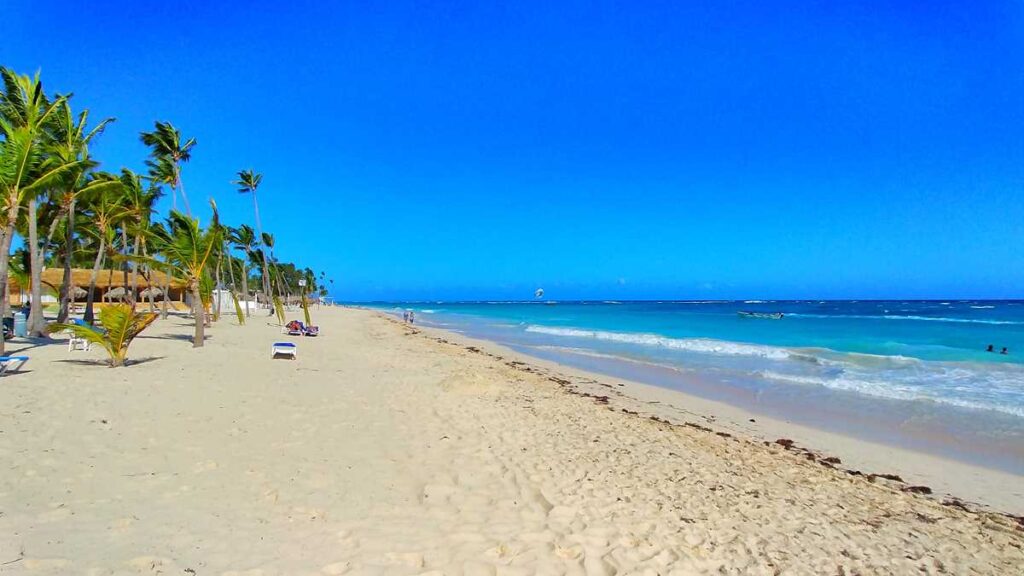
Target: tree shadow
103	363
106	364
178	337
30	343
146	360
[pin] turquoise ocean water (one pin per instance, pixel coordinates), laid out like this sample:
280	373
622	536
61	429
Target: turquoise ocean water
912	373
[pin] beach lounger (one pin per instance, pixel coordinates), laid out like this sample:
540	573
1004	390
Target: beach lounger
77	342
284	349
11	363
311	331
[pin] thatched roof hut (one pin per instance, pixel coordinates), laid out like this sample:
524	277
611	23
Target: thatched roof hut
106	281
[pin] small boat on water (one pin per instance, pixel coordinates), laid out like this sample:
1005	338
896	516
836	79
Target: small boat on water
765	315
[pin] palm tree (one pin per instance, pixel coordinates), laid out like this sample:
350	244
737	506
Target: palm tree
187	249
105	211
25	171
243	238
168	152
121	325
71	139
248	181
139	201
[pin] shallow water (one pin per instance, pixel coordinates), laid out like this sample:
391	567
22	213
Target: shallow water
909	373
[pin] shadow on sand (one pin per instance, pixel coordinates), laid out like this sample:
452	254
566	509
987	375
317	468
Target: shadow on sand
105	364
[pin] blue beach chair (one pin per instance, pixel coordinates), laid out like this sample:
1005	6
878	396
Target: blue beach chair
11	363
77	343
284	349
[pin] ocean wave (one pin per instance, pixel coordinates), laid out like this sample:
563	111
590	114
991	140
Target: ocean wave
907	317
892	390
704	345
982	307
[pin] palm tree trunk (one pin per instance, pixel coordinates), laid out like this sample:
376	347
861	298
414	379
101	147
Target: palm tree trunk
67	290
110	282
149	282
36	321
91	294
135	268
167	292
181	186
58	218
259	230
217	288
231	270
5	262
200	315
124	267
245	286
267	285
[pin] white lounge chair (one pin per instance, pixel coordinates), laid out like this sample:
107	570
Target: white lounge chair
76	342
11	363
284	349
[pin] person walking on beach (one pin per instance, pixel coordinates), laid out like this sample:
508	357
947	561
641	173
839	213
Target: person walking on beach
412	320
405	316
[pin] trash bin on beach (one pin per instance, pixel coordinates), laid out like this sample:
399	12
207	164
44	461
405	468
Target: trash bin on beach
20	324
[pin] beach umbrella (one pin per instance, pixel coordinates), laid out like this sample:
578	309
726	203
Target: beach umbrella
79	292
118	292
154	291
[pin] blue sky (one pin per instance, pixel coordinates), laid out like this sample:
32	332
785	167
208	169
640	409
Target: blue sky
600	150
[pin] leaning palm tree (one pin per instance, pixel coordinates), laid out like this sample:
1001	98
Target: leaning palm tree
25	171
70	142
187	249
139	201
168	153
248	181
268	242
105	211
243	238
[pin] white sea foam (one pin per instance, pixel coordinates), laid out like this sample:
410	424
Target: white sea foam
906	317
982	307
704	345
960	384
894	390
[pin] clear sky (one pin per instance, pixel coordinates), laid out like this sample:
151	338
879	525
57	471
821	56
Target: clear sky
599	150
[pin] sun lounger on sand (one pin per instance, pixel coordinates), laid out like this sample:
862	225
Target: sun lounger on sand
284	349
77	342
293	328
11	363
296	328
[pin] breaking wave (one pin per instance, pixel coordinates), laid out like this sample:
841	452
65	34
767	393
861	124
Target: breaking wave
705	345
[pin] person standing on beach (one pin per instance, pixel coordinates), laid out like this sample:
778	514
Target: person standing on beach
412	320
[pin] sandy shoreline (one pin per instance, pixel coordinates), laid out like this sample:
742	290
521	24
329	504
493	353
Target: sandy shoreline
982	487
382	450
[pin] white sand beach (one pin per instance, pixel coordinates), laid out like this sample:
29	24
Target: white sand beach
389	450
